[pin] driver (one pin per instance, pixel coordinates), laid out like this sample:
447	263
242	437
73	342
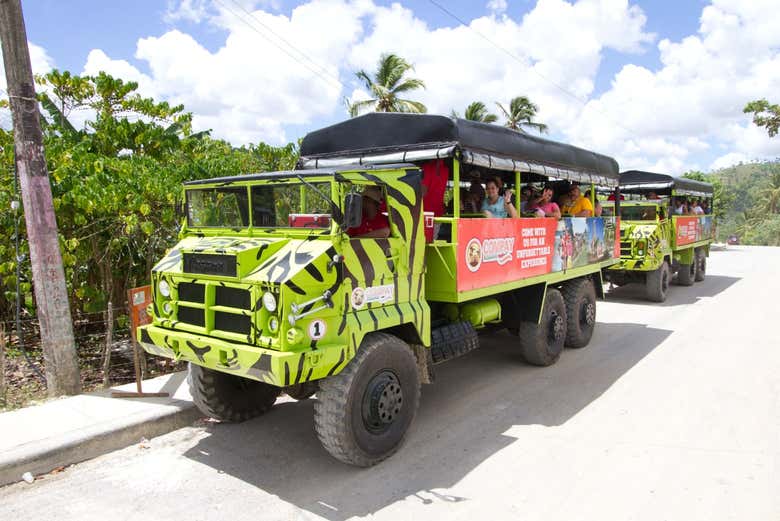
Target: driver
374	224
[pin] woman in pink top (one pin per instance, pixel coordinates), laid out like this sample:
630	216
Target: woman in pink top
544	205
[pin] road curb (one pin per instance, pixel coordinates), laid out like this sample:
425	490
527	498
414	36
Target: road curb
43	456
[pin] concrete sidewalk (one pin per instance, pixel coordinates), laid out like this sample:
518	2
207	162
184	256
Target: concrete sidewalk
69	430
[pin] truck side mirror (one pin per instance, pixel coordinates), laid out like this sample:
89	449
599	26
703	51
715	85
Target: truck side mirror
353	210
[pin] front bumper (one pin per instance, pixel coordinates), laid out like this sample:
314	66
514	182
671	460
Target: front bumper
279	368
640	264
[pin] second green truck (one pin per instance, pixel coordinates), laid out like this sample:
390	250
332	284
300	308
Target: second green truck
665	232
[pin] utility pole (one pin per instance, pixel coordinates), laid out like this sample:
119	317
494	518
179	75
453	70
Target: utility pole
51	296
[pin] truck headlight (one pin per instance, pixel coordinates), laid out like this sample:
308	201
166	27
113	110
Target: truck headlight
167	308
164	288
269	301
273	324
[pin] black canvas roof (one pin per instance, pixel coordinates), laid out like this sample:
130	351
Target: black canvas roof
374	136
638	181
286	174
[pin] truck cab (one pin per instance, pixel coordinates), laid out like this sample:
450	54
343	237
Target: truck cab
661	239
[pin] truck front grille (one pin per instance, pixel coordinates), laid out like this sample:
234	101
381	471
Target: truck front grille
210	264
192	316
215	309
233	323
192	292
232	297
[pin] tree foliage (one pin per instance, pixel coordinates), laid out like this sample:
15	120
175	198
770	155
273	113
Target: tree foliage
116	183
747	202
477	111
764	115
386	86
521	113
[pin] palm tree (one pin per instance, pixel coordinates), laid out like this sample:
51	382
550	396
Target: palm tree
477	111
771	195
520	114
386	85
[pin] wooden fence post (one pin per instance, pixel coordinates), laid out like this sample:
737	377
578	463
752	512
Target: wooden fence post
2	364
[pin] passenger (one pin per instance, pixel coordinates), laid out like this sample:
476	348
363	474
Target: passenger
612	197
706	207
434	184
543	206
525	196
563	199
578	205
697	210
652	196
597	208
374	224
477	194
679	207
495	205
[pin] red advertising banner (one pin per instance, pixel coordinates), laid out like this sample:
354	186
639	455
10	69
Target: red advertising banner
693	229
493	251
686	229
616	251
496	251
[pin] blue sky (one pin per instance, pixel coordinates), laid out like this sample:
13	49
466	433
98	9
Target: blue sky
657	84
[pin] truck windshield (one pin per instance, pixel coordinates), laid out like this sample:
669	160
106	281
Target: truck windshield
638	213
280	205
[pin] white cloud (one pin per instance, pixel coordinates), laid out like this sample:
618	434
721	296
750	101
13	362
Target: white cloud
40	62
695	99
727	160
556	46
497	7
274	70
257	83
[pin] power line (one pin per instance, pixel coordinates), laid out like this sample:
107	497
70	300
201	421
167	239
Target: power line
515	57
327	76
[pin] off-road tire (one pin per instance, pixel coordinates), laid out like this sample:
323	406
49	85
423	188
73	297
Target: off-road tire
657	283
383	364
302	391
452	340
580	298
228	397
701	264
686	273
541	344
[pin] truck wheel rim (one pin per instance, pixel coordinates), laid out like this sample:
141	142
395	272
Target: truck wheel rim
557	327
589	314
382	402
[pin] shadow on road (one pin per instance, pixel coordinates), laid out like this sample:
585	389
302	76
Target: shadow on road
462	421
677	296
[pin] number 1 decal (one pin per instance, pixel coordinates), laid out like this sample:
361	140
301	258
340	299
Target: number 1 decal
317	329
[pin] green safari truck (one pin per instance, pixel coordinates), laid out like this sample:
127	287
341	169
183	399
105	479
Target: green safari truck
661	233
270	290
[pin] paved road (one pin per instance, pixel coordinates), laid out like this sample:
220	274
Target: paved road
672	413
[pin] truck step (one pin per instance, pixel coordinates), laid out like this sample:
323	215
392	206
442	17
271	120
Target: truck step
453	340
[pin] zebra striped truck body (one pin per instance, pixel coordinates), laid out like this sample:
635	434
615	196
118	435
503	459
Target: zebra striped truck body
656	244
267	292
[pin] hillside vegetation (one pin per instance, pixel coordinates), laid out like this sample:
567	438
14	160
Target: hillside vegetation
748	200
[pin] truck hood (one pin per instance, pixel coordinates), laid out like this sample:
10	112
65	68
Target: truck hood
638	231
274	259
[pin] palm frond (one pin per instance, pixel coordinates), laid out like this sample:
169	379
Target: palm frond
409	84
414	107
